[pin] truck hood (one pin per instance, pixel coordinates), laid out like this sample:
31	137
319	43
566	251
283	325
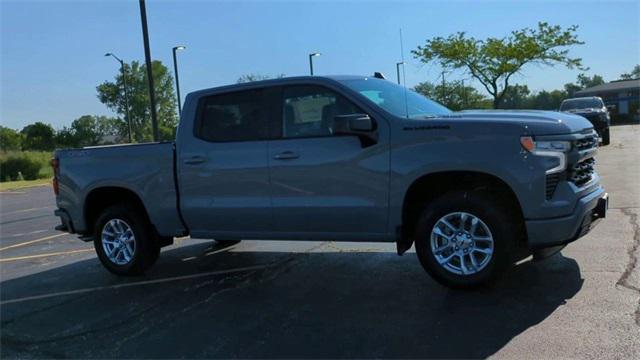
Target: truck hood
537	122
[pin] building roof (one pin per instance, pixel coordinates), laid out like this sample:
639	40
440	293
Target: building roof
613	86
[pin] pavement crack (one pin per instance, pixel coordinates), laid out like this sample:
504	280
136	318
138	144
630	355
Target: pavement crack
240	281
8	322
27	343
633	259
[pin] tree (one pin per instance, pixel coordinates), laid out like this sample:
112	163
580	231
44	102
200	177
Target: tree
89	130
586	82
255	77
454	95
38	136
494	61
65	138
548	100
9	139
634	74
583	81
112	95
571	88
96	130
517	97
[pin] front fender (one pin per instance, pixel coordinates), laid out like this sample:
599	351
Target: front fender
464	147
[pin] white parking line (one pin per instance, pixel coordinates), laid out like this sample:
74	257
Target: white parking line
32	241
148	282
43	255
26	210
23	234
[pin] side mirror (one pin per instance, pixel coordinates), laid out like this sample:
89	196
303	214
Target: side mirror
611	107
360	125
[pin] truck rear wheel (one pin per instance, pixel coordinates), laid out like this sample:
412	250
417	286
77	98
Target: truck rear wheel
124	241
464	239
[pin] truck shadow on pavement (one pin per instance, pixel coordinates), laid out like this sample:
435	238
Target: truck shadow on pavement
304	305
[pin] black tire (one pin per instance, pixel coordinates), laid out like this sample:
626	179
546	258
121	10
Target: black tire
491	212
146	250
606	137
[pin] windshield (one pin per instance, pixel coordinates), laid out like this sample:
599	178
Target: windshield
391	97
574	104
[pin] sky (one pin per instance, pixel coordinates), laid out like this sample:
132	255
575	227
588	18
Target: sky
52	52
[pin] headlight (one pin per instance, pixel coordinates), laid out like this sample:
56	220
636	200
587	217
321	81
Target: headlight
554	149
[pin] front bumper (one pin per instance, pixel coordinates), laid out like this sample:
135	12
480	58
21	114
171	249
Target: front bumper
590	209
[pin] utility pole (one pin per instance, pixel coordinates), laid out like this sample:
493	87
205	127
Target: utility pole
311	56
126	100
464	96
126	92
175	71
444	94
147	58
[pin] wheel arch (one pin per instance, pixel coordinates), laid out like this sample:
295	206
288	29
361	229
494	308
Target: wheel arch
102	197
429	186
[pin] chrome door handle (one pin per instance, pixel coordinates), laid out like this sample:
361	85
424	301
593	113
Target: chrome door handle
286	155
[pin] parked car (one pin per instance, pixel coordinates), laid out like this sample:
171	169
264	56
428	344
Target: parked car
345	158
594	110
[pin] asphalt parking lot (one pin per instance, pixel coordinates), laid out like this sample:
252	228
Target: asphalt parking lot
265	299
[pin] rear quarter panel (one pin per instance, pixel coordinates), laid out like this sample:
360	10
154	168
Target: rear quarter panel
145	169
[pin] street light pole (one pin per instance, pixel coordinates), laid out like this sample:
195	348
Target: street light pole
464	95
175	71
311	56
147	58
444	94
126	92
398	70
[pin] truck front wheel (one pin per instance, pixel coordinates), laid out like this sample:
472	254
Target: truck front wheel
124	241
465	239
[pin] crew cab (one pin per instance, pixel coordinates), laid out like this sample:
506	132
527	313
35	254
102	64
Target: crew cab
343	158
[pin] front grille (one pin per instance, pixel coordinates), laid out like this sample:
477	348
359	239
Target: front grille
582	172
592	117
587	143
552	183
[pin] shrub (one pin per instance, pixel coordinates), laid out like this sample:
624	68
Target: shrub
31	164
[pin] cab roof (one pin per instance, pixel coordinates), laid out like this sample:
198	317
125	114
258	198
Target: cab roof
276	82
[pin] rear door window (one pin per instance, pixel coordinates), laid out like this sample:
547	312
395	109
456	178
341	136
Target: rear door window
238	116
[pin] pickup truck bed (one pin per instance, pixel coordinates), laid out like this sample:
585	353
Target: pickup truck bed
147	170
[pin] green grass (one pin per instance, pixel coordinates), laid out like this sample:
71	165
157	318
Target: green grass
42	158
15	185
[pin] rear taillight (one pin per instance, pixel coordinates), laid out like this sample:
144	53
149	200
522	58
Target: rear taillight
55	164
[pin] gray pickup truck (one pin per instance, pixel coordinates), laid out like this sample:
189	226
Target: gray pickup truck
344	158
592	109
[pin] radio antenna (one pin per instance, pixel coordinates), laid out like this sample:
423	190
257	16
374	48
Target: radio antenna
404	77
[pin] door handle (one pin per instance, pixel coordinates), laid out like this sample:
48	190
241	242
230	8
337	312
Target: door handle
195	160
286	155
